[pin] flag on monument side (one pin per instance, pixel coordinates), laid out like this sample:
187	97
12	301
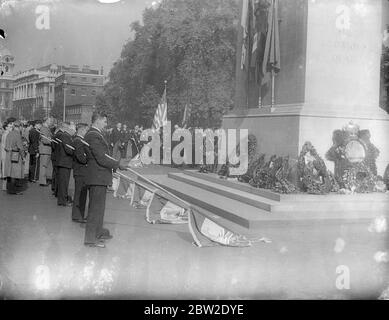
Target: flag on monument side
245	23
162	211
271	60
260	11
160	117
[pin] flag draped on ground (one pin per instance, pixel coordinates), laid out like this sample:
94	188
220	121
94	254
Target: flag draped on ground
207	233
160	117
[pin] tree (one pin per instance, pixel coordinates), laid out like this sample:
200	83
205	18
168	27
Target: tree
385	74
189	43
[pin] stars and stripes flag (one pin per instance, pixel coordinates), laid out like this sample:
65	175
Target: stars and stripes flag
160	117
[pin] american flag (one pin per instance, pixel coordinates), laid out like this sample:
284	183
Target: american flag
160	117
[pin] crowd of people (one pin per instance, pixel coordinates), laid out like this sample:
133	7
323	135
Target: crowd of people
124	142
44	153
39	152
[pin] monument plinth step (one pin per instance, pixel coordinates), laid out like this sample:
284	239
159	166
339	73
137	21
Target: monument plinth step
295	210
223	190
214	178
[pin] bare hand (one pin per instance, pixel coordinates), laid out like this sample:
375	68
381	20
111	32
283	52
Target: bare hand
123	164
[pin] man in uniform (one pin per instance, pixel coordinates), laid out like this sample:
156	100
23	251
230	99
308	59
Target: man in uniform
99	176
116	142
33	150
45	152
64	161
79	173
54	156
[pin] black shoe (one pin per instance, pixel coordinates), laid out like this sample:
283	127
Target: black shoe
44	185
95	245
64	205
79	220
106	237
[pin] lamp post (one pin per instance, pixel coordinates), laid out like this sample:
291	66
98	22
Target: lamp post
64	100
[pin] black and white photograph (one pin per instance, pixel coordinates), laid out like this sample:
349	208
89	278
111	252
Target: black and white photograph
220	150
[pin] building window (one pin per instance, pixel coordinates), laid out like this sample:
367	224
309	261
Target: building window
73	91
51	89
83	91
93	92
94	80
83	79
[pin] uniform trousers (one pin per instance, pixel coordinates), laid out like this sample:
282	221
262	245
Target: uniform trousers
79	199
34	168
94	225
63	185
54	186
44	162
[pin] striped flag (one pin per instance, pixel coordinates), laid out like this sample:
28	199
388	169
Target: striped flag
245	23
272	60
160	117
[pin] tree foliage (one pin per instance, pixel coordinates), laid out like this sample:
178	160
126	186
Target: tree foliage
385	74
189	43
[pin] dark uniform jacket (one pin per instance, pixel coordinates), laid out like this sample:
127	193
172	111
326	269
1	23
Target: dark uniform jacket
64	157
79	157
116	136
55	147
99	168
34	138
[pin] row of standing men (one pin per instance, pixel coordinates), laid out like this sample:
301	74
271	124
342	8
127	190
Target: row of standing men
83	149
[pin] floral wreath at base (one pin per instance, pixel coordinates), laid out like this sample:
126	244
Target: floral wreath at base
360	179
273	175
314	176
345	170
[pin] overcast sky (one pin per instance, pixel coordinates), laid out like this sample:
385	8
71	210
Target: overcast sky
81	31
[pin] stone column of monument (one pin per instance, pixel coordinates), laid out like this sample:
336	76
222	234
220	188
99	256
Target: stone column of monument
330	75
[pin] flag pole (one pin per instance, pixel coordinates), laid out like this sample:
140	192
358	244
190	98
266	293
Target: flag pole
273	76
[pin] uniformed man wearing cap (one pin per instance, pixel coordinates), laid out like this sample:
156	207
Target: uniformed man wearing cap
99	176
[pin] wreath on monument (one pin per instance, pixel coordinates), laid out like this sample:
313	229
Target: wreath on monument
359	179
355	159
313	173
273	175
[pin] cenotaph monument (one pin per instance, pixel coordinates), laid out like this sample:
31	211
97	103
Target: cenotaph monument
329	75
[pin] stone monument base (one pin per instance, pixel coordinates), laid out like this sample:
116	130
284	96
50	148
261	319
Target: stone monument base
284	130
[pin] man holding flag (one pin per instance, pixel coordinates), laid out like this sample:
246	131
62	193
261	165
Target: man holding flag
98	177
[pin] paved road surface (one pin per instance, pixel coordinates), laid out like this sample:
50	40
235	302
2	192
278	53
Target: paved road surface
42	256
